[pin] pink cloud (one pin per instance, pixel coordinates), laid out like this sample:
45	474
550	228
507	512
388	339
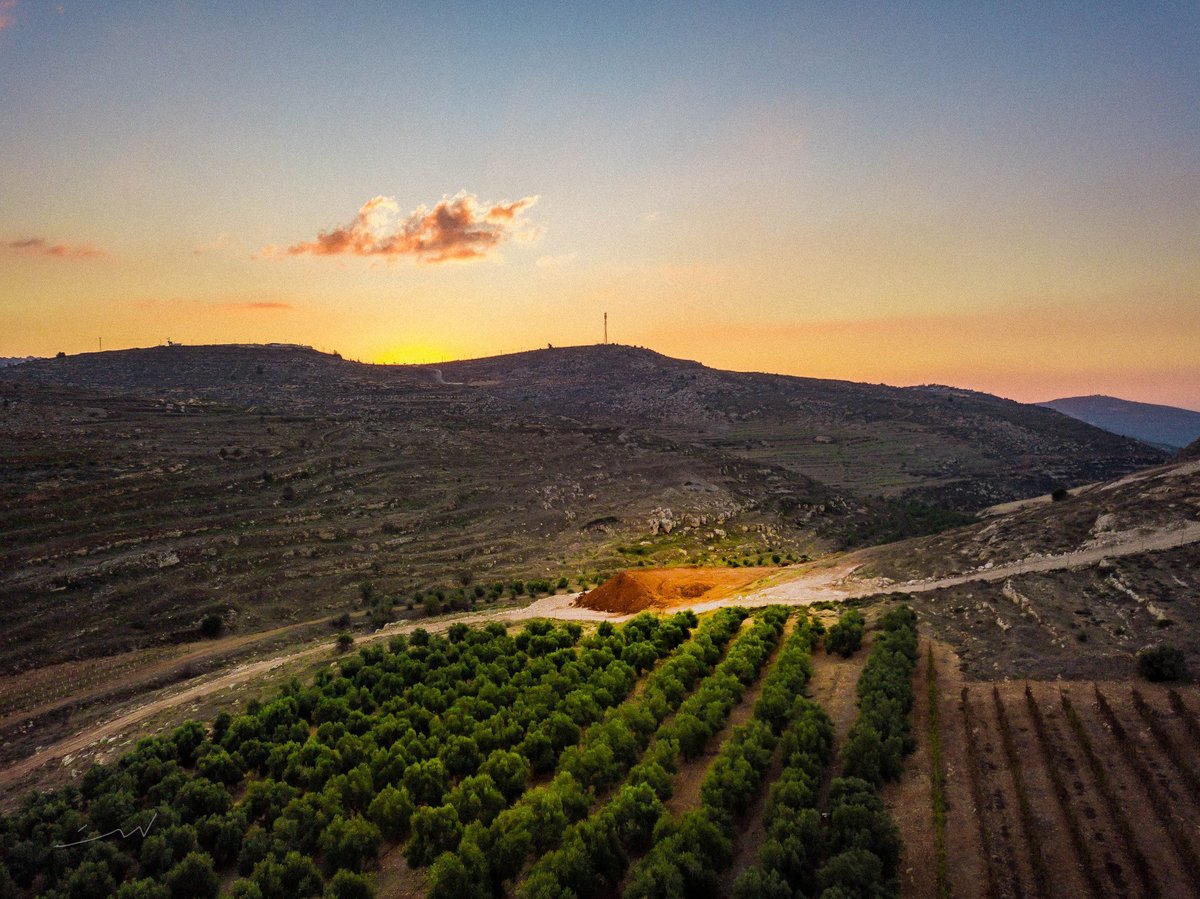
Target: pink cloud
39	246
456	228
7	21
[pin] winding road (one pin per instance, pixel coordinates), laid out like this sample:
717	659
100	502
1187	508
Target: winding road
801	588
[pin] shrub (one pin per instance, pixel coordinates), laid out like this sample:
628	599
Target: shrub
344	641
1161	663
212	625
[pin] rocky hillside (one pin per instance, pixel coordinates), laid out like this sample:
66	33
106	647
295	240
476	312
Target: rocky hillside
142	490
1071	587
950	447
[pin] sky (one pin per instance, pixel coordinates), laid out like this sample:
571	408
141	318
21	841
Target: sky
1004	197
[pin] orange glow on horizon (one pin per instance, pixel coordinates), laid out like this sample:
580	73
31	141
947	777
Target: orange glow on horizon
413	354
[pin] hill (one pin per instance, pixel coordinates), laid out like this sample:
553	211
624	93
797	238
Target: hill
146	490
955	448
1165	426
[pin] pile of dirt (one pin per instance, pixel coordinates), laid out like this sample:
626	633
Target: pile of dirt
636	590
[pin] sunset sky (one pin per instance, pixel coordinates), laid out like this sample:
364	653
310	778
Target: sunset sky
998	196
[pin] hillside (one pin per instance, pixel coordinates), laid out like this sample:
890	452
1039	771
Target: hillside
146	489
1165	426
1043	588
956	448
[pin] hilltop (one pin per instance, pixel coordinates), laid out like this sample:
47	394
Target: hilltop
1165	426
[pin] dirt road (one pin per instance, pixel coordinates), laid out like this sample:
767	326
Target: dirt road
200	687
838	583
828	583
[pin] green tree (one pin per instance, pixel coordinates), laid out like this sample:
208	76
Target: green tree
509	771
426	781
391	811
460	875
845	637
200	797
188	738
434	831
145	888
348	885
90	880
756	883
193	878
349	843
293	877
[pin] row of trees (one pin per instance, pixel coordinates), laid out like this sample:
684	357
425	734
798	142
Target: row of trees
863	851
488	857
423	737
594	854
689	853
881	735
794	844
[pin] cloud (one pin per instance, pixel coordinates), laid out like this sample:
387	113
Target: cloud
39	246
456	228
204	307
7	21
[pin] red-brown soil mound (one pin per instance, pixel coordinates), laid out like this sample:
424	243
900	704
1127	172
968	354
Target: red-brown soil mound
636	590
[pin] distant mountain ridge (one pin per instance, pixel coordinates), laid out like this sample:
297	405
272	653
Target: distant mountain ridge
1166	426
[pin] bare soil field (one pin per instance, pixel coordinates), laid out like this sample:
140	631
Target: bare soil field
1046	796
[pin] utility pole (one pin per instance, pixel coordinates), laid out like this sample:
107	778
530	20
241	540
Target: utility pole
606	328
100	341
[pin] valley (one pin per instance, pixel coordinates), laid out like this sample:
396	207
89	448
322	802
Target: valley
505	502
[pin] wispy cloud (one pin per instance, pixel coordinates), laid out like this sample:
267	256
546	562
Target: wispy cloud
456	228
6	19
39	246
204	307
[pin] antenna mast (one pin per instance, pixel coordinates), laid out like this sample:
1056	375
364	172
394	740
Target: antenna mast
606	328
